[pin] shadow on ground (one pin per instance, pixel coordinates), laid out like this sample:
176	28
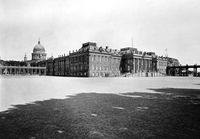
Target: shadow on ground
174	113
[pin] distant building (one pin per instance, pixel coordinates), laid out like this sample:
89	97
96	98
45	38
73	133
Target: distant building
136	62
88	61
161	64
25	58
92	61
60	66
26	67
172	61
1	62
49	66
102	62
38	52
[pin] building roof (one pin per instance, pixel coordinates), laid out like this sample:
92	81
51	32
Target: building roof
38	48
92	47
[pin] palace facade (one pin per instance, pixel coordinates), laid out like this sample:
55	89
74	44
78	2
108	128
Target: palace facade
93	61
88	61
134	61
160	64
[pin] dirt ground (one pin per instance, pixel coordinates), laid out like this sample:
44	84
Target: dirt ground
174	113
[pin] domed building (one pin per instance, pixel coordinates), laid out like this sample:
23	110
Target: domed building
38	52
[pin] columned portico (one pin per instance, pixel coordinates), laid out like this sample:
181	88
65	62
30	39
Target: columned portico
22	70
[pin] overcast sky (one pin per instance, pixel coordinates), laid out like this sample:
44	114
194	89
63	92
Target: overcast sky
63	25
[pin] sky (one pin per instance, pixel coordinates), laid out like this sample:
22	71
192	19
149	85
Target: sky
63	25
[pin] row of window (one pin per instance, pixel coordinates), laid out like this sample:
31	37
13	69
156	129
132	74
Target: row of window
104	74
100	58
72	74
138	68
79	67
139	60
73	60
85	67
162	64
97	58
79	74
72	68
38	56
81	58
106	68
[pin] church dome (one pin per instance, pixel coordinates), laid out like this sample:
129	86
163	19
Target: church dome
38	48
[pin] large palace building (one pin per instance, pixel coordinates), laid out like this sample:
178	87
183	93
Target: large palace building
142	63
93	61
88	61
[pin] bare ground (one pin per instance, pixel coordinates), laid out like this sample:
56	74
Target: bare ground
173	114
